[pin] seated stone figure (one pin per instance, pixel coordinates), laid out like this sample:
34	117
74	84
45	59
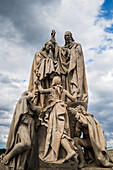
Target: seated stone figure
21	133
44	68
45	62
57	122
93	141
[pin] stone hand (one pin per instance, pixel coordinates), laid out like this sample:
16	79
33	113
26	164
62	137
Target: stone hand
38	83
53	34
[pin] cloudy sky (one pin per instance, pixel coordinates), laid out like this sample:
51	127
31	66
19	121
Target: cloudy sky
25	26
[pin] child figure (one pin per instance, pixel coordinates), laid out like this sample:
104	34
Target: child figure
57	122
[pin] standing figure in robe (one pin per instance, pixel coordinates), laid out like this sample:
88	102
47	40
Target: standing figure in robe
72	69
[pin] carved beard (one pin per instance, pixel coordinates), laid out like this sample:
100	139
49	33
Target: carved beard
68	41
69	44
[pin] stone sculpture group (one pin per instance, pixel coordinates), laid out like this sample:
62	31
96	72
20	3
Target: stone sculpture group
55	106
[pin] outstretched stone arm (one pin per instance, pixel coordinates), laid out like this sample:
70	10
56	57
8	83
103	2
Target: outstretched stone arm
40	89
44	91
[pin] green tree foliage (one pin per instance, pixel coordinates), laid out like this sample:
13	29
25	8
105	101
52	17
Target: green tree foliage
2	151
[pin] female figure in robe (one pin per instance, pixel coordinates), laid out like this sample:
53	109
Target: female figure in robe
56	120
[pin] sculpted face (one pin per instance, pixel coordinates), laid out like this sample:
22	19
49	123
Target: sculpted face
56	81
48	46
28	94
68	37
80	109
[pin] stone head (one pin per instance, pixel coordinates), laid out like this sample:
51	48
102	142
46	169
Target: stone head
28	95
68	37
56	81
80	109
48	46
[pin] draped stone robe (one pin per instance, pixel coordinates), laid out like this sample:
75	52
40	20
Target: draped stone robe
44	69
72	70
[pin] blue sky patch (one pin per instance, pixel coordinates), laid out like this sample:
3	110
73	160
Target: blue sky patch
109	29
106	10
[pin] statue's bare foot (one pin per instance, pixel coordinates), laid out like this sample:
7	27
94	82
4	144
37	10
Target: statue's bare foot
69	156
5	160
82	165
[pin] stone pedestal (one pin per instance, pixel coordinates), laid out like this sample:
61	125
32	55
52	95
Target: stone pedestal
96	168
70	165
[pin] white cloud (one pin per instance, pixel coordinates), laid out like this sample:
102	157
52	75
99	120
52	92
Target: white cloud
3	136
15	55
107	134
110	143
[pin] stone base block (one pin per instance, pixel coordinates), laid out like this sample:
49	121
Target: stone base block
96	168
70	165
